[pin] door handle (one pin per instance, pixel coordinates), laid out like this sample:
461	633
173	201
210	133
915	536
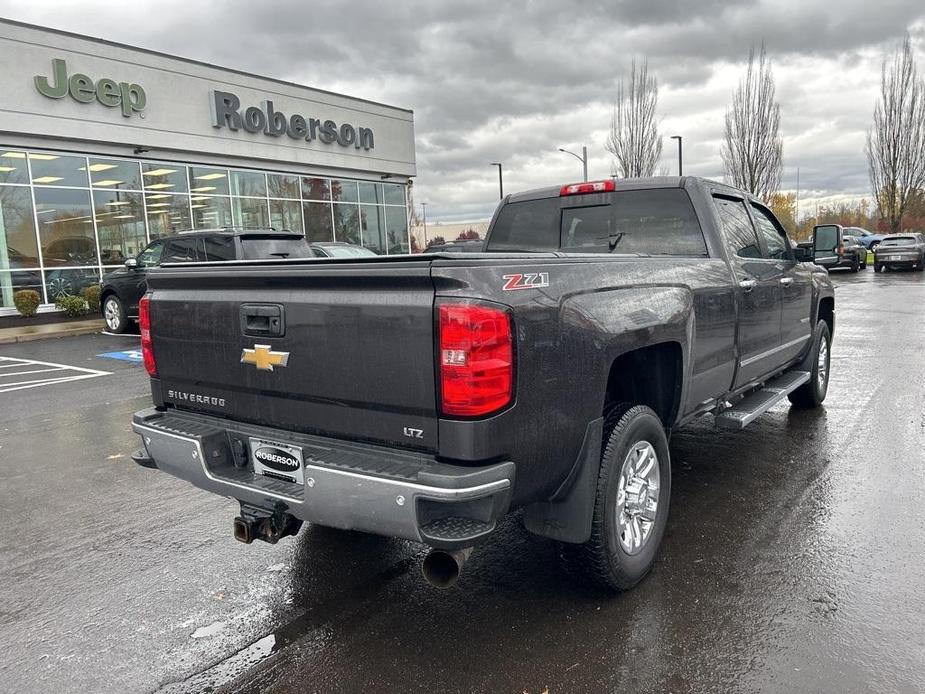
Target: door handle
786	281
748	285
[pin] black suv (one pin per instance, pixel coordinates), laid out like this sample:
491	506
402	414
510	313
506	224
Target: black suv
122	289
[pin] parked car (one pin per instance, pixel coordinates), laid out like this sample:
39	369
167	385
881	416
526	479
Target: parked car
424	397
900	251
121	289
866	238
339	249
466	246
835	248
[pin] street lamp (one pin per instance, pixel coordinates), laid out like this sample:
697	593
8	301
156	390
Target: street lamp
680	169
500	180
424	214
583	159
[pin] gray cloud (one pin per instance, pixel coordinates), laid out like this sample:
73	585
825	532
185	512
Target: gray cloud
514	81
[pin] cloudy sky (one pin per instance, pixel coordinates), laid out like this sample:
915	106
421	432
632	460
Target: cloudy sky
513	82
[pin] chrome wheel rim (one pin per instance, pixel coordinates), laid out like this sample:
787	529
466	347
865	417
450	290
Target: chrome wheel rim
822	364
59	287
637	497
111	314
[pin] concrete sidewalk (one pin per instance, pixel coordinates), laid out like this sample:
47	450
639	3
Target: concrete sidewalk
27	333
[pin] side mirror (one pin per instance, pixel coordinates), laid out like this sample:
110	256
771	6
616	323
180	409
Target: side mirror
131	263
803	255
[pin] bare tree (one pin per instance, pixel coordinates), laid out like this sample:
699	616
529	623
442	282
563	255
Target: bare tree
753	150
896	140
634	141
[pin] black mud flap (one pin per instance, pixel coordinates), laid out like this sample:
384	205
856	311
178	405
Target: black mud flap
567	515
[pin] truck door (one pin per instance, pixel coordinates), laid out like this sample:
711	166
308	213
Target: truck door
758	291
796	285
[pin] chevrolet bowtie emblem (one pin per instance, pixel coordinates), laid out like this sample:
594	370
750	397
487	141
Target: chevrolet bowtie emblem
264	358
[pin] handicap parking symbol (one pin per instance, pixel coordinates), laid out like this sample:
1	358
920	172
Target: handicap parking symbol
125	355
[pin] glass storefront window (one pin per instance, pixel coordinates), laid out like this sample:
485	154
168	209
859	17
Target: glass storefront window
316	189
372	225
12	282
394	194
13	167
58	170
281	186
249	184
120	225
65	227
370	192
208	181
396	224
347	223
250	212
90	213
17	228
212	213
286	214
167	214
318	225
169	178
71	281
114	174
343	190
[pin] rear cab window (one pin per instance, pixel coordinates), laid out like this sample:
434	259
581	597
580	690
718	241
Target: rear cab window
255	247
656	221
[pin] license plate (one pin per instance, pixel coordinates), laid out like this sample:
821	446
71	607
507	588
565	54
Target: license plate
278	460
895	257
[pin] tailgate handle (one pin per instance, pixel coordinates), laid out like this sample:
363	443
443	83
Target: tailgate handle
263	320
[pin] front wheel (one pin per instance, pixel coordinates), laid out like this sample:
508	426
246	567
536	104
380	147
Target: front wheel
114	314
817	362
855	264
631	503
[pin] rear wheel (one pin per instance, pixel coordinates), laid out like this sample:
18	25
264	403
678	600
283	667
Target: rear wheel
855	264
817	362
631	503
114	314
878	267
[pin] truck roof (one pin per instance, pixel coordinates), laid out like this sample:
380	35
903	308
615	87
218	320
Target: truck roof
633	184
243	231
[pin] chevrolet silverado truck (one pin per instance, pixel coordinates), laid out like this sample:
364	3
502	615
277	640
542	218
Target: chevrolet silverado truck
425	397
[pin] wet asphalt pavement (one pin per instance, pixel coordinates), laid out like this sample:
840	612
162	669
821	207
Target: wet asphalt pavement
793	559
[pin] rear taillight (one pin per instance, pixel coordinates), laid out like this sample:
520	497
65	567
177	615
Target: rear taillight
144	322
607	186
476	359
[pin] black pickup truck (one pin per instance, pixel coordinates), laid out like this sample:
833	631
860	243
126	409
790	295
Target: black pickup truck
423	397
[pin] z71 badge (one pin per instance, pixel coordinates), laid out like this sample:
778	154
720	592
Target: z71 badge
526	280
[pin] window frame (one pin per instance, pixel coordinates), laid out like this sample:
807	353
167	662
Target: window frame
775	222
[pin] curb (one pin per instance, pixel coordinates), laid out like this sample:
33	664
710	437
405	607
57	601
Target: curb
63	332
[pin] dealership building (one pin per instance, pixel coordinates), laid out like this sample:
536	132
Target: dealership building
104	147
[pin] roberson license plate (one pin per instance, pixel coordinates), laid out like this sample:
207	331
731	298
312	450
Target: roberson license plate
280	461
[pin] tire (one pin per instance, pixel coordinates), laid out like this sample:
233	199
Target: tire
114	314
921	264
878	267
873	246
632	435
812	393
864	259
855	264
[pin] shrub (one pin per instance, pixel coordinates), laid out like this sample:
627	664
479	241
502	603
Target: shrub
92	296
27	301
71	305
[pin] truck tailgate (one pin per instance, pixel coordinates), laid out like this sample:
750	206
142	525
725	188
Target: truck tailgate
355	357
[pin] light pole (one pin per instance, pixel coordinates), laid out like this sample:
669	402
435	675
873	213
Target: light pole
583	159
500	180
680	168
424	215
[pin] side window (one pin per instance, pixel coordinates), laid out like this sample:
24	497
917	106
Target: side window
774	236
219	247
151	255
737	227
182	250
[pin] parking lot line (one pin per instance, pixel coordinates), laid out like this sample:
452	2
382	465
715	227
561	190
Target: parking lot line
77	373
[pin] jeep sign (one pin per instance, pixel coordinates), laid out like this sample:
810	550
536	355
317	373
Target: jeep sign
131	97
227	113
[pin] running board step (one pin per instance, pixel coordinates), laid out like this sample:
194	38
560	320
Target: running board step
759	402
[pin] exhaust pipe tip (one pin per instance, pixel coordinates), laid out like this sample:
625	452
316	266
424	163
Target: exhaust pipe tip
441	567
243	531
